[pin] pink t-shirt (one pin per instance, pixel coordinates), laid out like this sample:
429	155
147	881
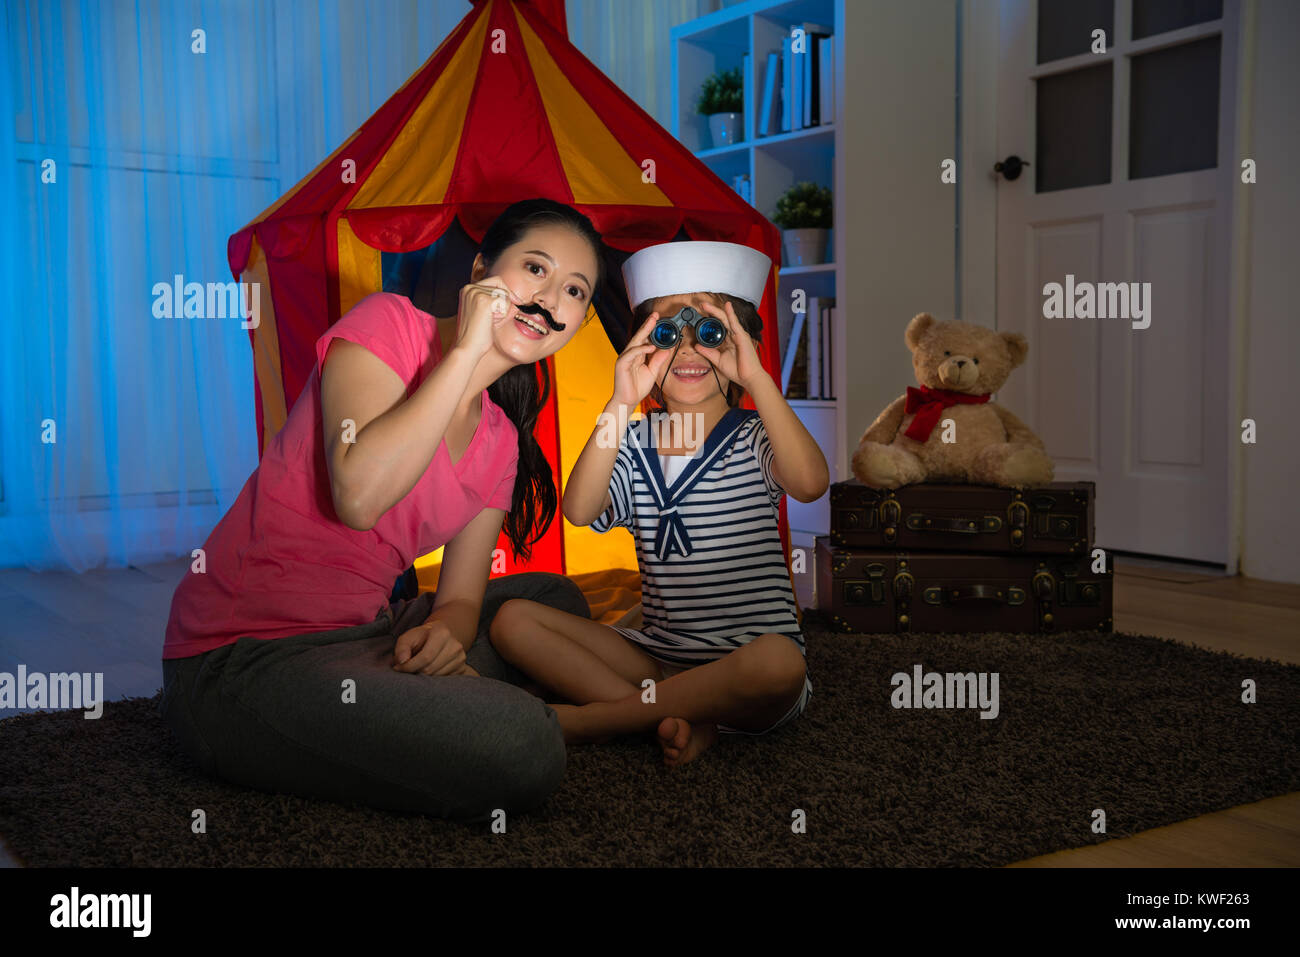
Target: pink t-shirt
281	563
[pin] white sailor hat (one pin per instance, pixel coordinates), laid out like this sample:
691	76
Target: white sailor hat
674	269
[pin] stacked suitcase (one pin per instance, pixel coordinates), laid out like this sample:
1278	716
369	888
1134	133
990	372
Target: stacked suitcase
963	558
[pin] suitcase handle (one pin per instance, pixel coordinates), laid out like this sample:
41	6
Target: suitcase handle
993	594
918	522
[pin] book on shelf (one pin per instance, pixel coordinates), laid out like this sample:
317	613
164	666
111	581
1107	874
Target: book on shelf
814	334
828	325
797	59
769	111
812	111
798	385
806	366
798	86
743	187
746	102
787	88
811	80
811	76
827	328
826	84
791	355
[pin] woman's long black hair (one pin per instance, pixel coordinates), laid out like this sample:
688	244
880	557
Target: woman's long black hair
534	503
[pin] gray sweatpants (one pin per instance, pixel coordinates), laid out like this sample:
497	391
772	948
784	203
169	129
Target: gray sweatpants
272	715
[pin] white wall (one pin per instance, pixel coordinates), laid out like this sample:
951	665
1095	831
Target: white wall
896	233
978	183
1269	513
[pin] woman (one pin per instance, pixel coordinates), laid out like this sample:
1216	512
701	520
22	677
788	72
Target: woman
285	667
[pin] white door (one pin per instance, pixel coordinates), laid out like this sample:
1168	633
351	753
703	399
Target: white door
1129	181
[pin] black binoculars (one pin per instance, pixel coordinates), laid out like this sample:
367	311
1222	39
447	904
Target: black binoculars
708	331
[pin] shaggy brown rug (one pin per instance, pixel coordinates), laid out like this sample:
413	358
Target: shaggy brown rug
1145	729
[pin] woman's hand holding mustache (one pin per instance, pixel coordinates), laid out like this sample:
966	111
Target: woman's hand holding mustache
485	306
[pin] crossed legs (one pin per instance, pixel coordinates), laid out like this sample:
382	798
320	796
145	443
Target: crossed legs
601	672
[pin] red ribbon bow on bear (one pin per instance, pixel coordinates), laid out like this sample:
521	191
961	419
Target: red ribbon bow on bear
928	404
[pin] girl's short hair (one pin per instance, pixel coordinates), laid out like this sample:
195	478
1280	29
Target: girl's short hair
749	321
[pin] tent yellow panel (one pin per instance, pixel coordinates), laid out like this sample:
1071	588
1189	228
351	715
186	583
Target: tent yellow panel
427	568
266	345
598	168
416	169
360	268
584	374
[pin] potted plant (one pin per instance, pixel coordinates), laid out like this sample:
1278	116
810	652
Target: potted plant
722	100
804	215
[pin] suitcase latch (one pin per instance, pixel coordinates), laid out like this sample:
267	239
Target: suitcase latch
1056	525
1080	593
1018	519
854	519
904	583
1044	586
890	513
868	591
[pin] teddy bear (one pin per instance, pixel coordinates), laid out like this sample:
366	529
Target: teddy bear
959	365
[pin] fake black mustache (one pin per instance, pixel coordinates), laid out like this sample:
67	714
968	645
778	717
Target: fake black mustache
533	309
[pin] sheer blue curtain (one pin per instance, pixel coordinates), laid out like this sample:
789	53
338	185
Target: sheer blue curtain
136	147
629	41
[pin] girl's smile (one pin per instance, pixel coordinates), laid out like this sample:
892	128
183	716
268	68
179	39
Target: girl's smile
691	370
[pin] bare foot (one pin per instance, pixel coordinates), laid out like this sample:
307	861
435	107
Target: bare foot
681	741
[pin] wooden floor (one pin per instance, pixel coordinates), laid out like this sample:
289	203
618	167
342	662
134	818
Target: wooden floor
113	621
1253	618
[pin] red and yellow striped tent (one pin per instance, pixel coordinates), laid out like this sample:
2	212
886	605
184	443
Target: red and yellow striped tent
505	109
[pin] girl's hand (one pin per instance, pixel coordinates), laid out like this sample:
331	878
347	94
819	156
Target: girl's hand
637	369
485	306
429	649
736	358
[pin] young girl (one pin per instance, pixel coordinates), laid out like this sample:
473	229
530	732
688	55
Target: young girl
720	640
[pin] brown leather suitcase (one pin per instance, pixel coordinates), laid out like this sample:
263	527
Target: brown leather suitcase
875	591
1057	519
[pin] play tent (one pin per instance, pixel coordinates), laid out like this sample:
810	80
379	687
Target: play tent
505	109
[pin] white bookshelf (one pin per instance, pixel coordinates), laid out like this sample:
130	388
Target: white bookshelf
774	163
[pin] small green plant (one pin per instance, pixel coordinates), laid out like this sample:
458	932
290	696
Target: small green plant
804	206
722	93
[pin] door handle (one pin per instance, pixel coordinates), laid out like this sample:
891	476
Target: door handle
1011	167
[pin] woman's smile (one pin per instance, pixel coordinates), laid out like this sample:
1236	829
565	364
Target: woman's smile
531	327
